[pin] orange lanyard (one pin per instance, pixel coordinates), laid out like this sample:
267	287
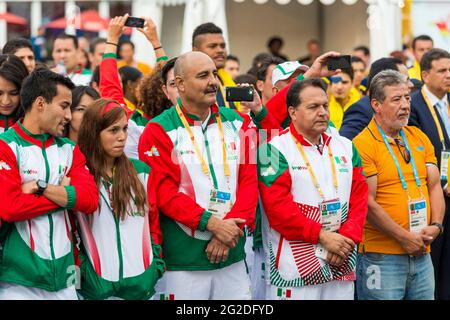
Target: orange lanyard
310	170
186	125
435	118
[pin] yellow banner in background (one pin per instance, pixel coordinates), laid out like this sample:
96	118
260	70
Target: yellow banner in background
407	34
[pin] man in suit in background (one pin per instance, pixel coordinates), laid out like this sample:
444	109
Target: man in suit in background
429	112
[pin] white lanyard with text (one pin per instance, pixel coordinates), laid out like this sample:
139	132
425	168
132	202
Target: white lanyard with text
417	208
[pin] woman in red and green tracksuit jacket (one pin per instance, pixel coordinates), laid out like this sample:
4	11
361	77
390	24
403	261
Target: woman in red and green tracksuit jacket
36	240
120	255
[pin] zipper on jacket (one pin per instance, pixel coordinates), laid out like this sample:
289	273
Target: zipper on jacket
117	223
208	154
50	218
119	247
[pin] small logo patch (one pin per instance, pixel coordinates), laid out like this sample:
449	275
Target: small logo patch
4	166
30	171
186	152
420	148
283	294
299	168
341	160
169	296
152	152
265	172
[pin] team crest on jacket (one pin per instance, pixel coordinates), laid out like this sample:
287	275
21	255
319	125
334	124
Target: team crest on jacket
269	171
4	166
231	150
342	163
152	152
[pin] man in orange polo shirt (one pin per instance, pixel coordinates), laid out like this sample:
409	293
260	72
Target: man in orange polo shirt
406	205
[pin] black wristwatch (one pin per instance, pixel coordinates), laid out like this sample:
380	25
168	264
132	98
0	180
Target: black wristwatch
440	226
42	185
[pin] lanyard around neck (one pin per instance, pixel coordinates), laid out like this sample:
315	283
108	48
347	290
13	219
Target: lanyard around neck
399	170
310	169
108	200
204	166
435	117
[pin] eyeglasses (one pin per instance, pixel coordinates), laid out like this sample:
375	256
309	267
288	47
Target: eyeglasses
403	151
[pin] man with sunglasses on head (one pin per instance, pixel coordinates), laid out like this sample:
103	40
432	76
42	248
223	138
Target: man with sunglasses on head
406	204
342	95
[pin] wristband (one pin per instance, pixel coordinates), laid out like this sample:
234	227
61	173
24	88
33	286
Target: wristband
165	58
114	44
157	48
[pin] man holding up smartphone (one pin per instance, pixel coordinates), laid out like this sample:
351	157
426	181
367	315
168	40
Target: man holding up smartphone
273	114
126	48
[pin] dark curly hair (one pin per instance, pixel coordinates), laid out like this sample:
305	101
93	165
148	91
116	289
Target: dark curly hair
153	100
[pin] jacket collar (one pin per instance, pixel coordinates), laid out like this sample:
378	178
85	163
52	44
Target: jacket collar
39	140
7	121
192	119
433	99
325	137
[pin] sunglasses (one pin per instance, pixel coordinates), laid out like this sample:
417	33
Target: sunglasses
403	151
336	79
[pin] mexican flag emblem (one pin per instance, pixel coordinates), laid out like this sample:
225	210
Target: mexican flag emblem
341	160
169	296
283	294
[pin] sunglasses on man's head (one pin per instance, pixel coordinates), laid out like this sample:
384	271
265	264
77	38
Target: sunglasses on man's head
335	79
403	151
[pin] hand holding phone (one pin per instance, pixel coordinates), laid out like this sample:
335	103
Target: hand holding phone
239	93
135	22
341	62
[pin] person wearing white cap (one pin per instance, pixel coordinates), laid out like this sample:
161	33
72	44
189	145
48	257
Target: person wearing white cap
273	114
285	72
264	78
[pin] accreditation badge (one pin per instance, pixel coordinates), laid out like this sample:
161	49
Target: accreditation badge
445	157
219	203
417	215
330	214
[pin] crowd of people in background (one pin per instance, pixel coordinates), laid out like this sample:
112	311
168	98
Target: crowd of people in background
123	180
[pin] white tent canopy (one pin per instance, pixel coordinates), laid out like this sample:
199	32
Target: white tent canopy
384	20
